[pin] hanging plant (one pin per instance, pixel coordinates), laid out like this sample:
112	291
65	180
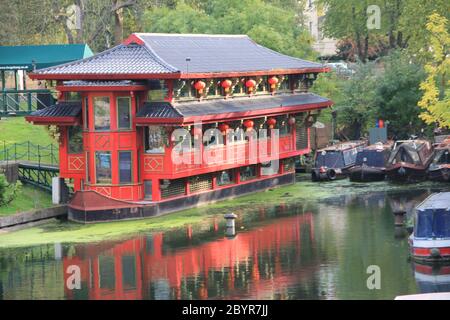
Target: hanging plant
54	132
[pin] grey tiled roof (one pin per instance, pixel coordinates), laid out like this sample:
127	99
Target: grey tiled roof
167	53
122	59
228	106
83	83
219	53
158	110
62	109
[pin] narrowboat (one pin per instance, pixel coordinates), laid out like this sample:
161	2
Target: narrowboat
430	241
409	160
334	162
371	163
439	169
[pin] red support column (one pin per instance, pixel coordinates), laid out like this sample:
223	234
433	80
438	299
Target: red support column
156	192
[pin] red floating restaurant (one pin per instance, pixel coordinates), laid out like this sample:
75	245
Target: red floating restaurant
164	122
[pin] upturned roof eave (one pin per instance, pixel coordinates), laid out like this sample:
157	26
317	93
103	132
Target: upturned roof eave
174	75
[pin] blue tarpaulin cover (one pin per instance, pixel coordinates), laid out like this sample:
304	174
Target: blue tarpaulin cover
433	217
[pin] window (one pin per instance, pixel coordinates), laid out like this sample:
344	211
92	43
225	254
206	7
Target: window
225	178
270	168
125	165
123	113
157	90
75	135
103	166
86	113
248	173
154	139
101	114
72	96
148	189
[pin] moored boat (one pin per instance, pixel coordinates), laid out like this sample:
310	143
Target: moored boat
409	160
430	241
371	163
334	162
439	169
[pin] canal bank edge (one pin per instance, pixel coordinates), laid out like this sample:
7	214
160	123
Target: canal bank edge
24	218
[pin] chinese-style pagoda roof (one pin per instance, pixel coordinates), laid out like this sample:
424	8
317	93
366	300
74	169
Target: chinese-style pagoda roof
61	113
228	109
153	55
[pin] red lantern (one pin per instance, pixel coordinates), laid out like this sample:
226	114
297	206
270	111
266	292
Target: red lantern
250	84
223	127
271	122
273	82
291	121
249	124
199	86
226	84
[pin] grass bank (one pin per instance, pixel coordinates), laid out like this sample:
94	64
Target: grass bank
302	192
26	136
28	198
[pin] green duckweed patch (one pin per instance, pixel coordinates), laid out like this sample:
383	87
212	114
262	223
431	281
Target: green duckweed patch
301	192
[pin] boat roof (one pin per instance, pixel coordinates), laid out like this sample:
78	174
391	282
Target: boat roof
444	144
344	146
379	146
416	143
437	201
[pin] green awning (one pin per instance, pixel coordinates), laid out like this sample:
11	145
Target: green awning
43	56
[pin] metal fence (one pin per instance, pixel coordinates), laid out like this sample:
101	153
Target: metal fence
28	151
22	102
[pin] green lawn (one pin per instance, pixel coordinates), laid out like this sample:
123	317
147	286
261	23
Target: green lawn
18	130
29	198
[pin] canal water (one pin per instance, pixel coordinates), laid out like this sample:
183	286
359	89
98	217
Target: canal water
321	249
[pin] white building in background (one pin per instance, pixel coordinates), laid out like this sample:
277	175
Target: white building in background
314	17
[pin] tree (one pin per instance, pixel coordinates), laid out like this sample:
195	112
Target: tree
355	112
436	88
397	93
413	21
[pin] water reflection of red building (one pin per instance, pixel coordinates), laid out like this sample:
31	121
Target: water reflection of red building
128	269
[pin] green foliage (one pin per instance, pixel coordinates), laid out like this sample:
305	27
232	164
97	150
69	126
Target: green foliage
265	23
356	113
413	23
436	88
329	85
403	24
8	191
396	95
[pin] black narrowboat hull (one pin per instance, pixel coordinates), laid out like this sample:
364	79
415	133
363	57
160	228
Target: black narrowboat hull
330	174
406	174
366	174
441	175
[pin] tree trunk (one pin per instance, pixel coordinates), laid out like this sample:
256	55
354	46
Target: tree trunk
118	26
80	32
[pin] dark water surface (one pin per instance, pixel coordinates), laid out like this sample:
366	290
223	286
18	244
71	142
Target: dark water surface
315	250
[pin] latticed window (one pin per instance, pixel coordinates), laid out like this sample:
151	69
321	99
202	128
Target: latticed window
172	188
289	165
200	183
301	136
